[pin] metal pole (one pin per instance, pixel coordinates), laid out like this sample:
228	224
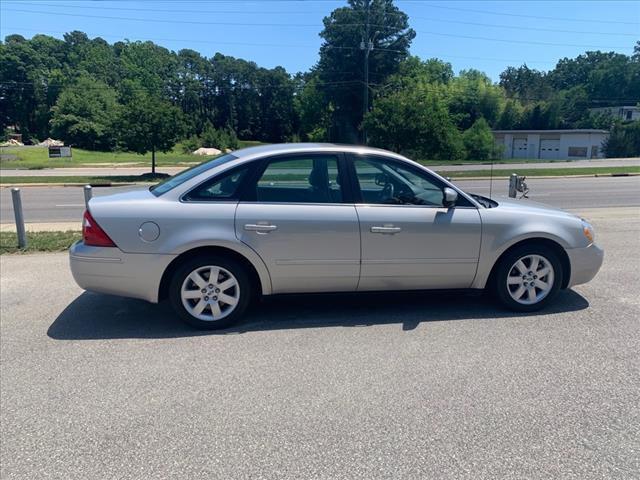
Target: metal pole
88	193
17	211
513	183
366	43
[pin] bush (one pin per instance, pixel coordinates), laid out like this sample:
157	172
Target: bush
624	140
220	139
478	141
190	144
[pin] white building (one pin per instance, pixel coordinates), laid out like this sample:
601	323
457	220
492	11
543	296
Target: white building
551	144
625	113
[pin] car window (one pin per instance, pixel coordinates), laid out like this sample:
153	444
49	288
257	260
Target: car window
390	183
225	186
172	182
310	179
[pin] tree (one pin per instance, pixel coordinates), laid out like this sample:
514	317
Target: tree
84	115
341	65
150	124
473	95
430	133
413	71
23	88
525	83
511	115
314	119
479	142
624	140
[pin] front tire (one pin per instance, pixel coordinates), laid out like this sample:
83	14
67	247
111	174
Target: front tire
528	278
210	292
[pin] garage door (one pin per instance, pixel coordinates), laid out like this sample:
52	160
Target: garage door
519	148
550	149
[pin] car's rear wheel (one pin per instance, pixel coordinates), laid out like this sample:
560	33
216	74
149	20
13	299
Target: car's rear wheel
528	278
210	292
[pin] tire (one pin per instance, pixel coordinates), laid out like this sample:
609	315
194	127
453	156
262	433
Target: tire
512	287
206	304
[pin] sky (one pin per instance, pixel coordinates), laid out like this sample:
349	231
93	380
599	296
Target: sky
486	35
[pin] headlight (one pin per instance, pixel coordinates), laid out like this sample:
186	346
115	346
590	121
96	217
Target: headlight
588	231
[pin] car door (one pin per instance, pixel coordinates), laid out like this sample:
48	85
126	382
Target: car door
409	240
295	217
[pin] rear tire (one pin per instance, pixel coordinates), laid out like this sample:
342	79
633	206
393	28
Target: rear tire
210	292
527	278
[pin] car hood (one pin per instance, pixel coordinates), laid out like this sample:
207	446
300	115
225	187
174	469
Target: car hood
526	206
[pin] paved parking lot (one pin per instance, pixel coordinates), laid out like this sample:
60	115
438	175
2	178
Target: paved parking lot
370	386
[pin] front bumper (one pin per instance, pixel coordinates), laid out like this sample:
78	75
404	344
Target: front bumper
585	263
110	270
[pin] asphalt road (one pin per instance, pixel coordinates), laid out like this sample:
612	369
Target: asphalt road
326	387
64	204
123	170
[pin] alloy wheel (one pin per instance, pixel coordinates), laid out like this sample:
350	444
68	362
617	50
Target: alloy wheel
210	293
530	279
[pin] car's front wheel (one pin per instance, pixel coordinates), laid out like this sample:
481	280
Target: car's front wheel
528	277
210	292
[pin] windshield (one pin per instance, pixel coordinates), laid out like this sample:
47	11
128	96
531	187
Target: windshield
172	182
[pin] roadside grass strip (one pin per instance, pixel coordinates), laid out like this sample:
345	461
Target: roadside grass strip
38	242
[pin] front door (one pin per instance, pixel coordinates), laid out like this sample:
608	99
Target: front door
409	239
296	220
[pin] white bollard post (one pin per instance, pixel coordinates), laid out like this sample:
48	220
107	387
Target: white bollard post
17	212
88	193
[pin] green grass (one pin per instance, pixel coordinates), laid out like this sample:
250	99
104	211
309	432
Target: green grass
38	242
38	157
543	172
84	180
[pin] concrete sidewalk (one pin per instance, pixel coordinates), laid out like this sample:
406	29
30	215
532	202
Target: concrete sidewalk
44	227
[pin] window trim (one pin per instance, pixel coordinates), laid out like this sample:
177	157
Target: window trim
263	163
355	184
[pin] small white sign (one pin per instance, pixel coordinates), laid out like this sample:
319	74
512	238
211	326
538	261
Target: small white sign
59	152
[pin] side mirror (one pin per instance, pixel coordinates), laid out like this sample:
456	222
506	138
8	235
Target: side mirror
449	197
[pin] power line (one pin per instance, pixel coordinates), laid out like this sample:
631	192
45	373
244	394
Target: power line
539	17
193	22
280	12
216	42
270	45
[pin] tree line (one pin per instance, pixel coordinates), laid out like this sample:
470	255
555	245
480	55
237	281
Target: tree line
142	97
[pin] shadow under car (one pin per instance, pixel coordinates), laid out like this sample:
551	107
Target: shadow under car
96	316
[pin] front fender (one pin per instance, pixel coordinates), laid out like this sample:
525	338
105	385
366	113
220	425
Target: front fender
502	230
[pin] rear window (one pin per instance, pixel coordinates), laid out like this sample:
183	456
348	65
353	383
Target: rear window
172	182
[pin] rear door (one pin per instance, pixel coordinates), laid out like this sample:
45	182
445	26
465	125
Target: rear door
294	215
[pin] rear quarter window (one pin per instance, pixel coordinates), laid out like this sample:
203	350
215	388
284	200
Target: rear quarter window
182	177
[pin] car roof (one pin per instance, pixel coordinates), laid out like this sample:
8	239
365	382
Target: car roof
284	148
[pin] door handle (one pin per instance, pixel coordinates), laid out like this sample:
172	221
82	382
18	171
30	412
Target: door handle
260	227
388	229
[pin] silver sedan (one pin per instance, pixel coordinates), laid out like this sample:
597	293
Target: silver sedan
302	218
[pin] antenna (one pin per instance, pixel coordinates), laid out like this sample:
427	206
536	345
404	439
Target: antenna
491	181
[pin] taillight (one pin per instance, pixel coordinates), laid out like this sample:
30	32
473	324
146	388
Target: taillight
92	234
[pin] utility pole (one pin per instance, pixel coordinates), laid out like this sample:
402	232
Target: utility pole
367	45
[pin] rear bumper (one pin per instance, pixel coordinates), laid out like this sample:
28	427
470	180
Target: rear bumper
110	270
585	263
